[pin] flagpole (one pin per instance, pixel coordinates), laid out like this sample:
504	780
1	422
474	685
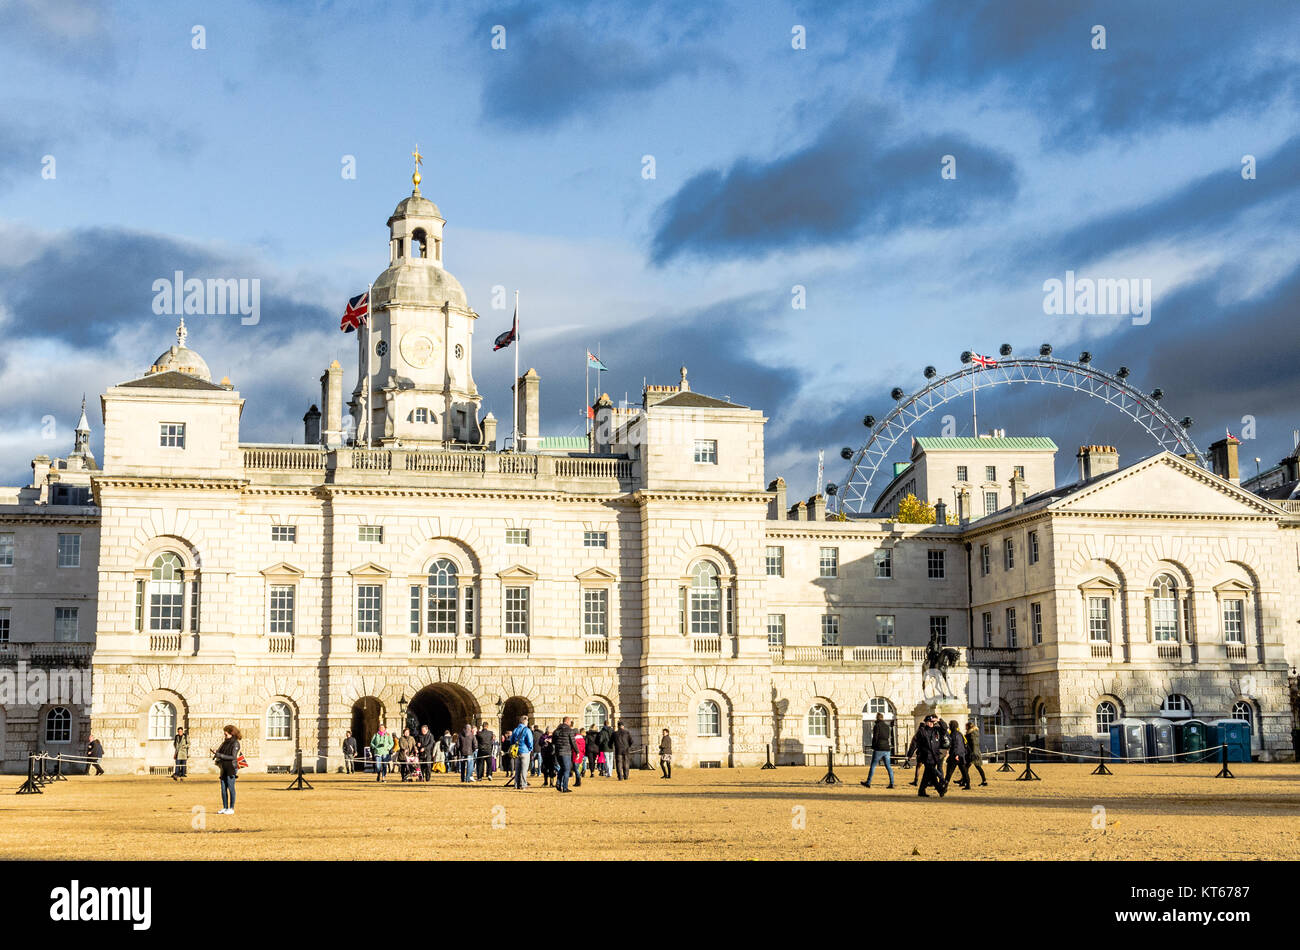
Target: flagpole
586	391
370	321
514	434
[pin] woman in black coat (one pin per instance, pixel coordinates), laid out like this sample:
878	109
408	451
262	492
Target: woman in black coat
227	758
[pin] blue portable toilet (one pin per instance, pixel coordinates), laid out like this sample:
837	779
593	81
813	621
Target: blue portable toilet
1235	734
1160	740
1128	740
1192	738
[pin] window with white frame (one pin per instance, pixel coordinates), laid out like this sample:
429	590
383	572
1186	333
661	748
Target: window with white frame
1164	608
594	715
988	629
171	435
517	537
421	416
415	610
819	722
284	532
1234	624
1176	705
984	560
65	624
828	562
990	502
370	609
1033	547
1099	619
166	593
69	550
879	704
282	608
775	560
990	473
1107	716
595	612
708	719
935	565
1036	622
939	628
279	721
776	630
442	593
370	533
1243	710
1008	553
705	600
58	725
884	559
4	625
595	539
962	473
830	631
885	630
706	451
6	549
517	611
1012	638
162	720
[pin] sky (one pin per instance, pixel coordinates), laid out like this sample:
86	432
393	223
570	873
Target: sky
804	203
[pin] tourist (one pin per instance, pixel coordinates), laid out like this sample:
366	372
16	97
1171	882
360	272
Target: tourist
448	742
486	741
349	752
563	750
928	757
547	756
467	748
534	760
227	758
973	755
522	741
427	744
913	749
381	747
579	757
406	754
882	747
180	753
439	757
622	749
957	756
498	756
606	757
666	754
592	750
94	752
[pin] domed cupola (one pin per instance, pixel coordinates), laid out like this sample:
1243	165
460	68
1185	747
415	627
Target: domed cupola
181	359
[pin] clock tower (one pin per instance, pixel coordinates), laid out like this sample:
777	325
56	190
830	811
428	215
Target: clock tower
420	335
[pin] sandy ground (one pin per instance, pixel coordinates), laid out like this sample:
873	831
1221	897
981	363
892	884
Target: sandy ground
1149	812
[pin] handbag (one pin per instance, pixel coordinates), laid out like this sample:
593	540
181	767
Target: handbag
240	763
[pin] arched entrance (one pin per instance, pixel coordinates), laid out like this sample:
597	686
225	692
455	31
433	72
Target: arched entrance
444	706
367	714
515	707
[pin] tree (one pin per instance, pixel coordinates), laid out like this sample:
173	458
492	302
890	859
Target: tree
911	510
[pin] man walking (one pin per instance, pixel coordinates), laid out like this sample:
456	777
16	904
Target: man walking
181	753
605	742
522	740
957	756
94	752
534	760
563	748
973	754
405	751
467	746
592	749
882	748
622	749
928	756
349	752
427	743
485	739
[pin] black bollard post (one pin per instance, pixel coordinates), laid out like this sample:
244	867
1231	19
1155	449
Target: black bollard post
31	786
42	778
1028	775
299	783
1224	771
58	769
1006	760
645	759
830	778
768	764
1101	766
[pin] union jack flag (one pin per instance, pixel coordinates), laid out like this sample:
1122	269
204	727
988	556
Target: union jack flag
985	361
357	313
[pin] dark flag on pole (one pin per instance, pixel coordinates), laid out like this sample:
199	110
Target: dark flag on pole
505	339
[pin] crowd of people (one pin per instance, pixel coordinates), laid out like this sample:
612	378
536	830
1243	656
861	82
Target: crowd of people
934	744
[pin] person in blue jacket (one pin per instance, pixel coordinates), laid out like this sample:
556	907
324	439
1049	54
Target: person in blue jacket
522	737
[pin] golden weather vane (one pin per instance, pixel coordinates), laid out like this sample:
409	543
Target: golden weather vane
419	160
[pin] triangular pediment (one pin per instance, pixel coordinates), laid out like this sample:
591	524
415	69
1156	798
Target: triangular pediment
597	575
517	573
370	569
1233	586
1098	581
283	569
1165	483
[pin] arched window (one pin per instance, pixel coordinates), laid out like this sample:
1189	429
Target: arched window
1176	706
1107	716
166	593
879	705
819	722
1242	709
58	725
595	715
162	720
419	243
279	721
706	600
442	598
709	718
1164	608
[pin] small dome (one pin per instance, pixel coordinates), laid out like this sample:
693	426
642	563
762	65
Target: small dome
415	206
181	359
410	283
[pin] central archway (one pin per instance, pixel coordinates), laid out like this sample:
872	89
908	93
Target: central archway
444	706
367	714
515	707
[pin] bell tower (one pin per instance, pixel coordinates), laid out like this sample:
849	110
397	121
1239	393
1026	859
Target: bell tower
420	336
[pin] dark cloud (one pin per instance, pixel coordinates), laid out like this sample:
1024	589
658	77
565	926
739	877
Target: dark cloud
853	180
1165	64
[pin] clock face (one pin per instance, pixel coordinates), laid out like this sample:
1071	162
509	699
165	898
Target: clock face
418	348
382	347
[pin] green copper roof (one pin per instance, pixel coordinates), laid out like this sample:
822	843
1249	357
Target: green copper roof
565	443
1026	442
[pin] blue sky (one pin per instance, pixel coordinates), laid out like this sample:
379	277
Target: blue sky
774	167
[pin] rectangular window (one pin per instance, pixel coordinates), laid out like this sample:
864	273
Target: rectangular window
282	604
1033	547
830	631
415	610
370	533
1036	622
517	611
935	565
284	532
775	560
1099	619
984	560
65	624
4	624
939	628
988	629
469	611
1019	471
139	606
829	562
194	604
776	630
7	549
171	435
1011	627
595	539
990	502
990	473
517	536
595	612
885	630
706	451
884	558
962	473
69	550
1234	628
370	609
1008	553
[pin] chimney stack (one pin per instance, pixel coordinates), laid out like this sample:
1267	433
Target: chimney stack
1223	459
940	512
528	392
602	424
816	509
963	505
1097	460
331	398
776	507
489	429
1019	490
311	427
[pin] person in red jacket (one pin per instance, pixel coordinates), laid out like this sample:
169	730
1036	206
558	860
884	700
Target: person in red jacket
579	757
